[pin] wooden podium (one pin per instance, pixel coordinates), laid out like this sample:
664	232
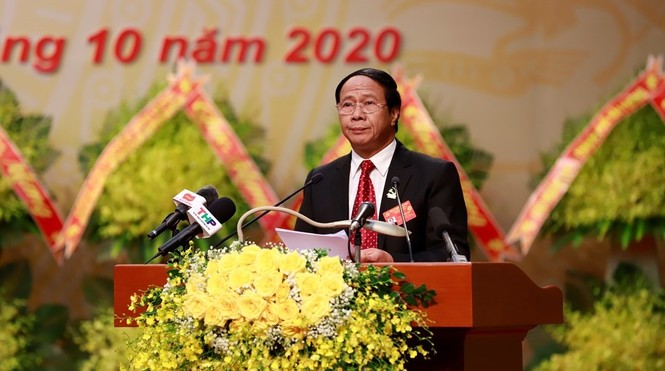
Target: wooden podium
482	313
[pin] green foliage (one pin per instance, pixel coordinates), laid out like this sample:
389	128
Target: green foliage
16	325
620	191
624	331
475	162
30	134
137	195
104	345
31	338
388	281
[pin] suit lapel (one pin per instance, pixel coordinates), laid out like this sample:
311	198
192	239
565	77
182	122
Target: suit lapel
341	191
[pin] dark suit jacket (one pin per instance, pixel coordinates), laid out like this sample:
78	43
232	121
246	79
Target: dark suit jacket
425	181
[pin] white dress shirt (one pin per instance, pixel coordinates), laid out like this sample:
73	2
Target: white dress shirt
378	175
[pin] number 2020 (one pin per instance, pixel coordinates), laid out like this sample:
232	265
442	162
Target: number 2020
327	44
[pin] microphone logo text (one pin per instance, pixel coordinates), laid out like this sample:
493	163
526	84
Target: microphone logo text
203	214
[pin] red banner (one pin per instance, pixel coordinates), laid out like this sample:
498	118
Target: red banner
648	87
29	189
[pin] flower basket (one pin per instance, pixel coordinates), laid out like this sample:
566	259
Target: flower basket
246	307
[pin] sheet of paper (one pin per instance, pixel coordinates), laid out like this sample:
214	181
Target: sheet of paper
335	243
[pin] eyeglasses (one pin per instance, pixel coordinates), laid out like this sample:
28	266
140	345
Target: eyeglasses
348	108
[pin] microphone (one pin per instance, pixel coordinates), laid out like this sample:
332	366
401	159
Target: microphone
395	182
365	210
314	180
184	200
373	225
205	222
440	220
385	228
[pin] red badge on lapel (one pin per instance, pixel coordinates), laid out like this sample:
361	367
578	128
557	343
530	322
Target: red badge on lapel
393	215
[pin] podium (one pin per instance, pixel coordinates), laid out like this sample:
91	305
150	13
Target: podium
482	312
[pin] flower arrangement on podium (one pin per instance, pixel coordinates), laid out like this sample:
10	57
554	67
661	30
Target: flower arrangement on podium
247	307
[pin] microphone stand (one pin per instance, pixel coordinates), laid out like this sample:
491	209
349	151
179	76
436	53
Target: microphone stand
455	257
401	213
357	243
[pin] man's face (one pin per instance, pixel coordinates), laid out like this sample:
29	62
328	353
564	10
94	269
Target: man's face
368	133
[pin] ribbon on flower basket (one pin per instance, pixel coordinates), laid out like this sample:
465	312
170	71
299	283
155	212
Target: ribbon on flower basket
647	88
29	189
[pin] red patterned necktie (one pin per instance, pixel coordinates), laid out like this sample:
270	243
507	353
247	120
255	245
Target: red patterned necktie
366	194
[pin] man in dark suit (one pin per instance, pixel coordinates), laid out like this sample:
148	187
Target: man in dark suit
369	106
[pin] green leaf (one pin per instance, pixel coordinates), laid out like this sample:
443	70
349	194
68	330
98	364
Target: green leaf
626	235
410	301
640	228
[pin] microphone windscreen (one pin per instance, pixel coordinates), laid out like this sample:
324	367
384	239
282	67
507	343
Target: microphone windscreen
209	193
439	220
395	181
316	178
366	210
222	209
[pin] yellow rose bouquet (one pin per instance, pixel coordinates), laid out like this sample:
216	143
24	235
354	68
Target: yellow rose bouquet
250	308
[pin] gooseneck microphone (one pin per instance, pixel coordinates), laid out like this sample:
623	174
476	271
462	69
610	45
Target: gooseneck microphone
184	200
372	225
395	183
204	220
442	224
365	210
314	180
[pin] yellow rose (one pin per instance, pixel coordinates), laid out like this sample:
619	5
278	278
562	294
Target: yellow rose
196	304
269	317
248	255
308	283
329	265
294	328
266	284
251	305
267	260
214	317
332	285
285	310
217	284
291	263
315	307
212	268
227	262
239	277
283	291
227	304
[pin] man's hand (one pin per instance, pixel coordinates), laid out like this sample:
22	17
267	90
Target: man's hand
375	256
